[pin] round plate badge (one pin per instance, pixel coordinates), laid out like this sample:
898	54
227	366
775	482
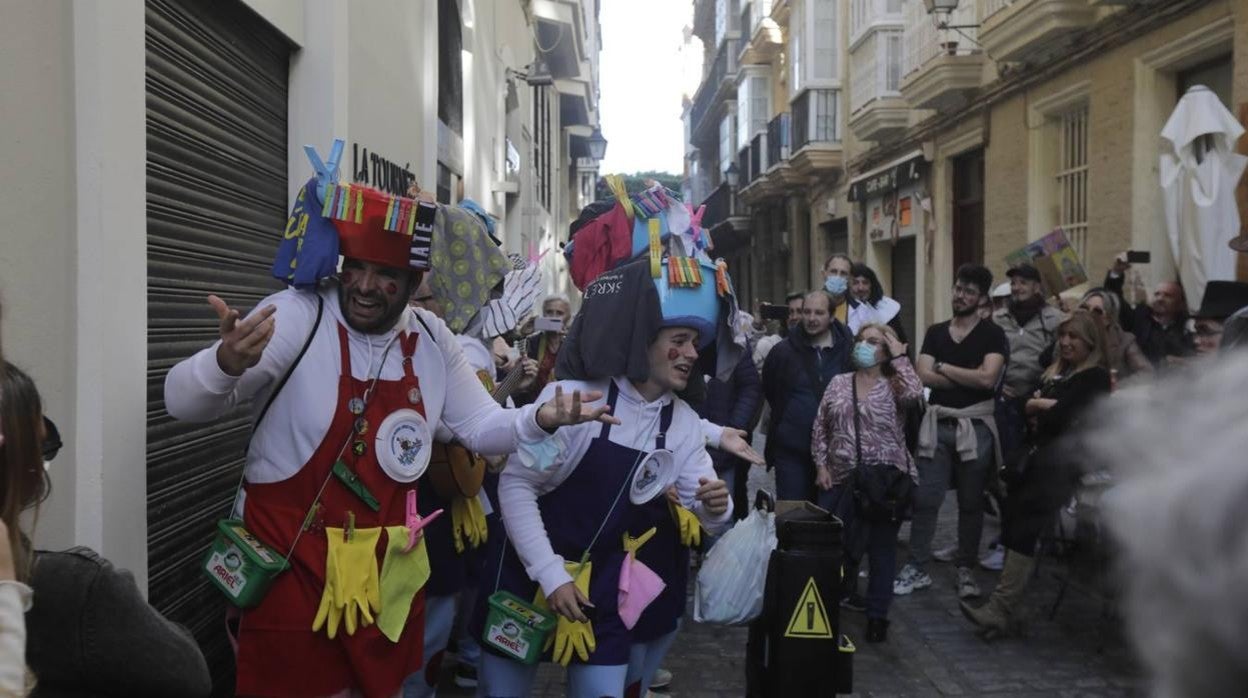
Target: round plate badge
404	442
655	473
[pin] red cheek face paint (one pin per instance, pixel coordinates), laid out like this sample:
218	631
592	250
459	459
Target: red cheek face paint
347	278
673	354
391	288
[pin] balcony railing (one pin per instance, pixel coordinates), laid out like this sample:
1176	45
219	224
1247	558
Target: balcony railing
758	156
743	166
923	41
778	139
816	118
721	205
725	66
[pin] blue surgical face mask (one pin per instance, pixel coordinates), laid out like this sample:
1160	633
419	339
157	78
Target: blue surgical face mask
836	285
864	355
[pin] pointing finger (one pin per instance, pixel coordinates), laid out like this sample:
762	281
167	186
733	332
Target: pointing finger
576	406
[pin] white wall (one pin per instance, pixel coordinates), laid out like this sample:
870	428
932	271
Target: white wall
73	265
37	190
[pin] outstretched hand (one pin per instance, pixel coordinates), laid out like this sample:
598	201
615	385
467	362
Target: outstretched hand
242	341
566	411
733	441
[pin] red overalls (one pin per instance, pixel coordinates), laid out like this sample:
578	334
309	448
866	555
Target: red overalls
278	654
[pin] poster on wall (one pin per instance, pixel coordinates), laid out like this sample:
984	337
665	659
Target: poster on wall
1055	259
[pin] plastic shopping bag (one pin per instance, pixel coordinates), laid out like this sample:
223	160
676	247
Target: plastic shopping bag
732	579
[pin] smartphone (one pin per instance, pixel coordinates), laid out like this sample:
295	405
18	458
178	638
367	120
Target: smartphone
1139	256
773	312
548	324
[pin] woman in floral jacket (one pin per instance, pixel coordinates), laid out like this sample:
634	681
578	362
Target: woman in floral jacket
886	383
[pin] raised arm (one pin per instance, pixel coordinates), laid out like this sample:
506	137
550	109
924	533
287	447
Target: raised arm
251	355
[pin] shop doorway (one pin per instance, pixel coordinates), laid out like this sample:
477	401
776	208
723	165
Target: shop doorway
217	204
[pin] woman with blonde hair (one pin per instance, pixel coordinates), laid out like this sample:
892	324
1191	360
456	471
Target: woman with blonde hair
861	421
1123	351
1045	478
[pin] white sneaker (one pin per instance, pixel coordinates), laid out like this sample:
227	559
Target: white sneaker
948	554
910	579
662	679
995	559
967	588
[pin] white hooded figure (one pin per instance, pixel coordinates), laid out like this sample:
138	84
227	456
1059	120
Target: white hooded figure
871	307
1199	172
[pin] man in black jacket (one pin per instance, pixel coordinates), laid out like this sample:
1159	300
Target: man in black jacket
1160	326
737	403
794	377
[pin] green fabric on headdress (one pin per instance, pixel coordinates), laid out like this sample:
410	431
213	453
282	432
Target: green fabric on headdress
466	265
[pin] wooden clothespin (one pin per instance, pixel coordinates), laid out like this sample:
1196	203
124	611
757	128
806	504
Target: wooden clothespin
348	531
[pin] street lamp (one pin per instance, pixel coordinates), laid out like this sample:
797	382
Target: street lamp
946	8
732	175
597	144
537	74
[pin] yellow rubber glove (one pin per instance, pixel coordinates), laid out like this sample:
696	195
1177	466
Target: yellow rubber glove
403	575
329	610
357	585
688	525
478	518
571	636
468	528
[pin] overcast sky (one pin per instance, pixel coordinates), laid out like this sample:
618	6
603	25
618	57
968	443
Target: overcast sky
644	72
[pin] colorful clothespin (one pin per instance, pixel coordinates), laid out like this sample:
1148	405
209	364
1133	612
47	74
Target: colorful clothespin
415	522
656	249
348	477
326	171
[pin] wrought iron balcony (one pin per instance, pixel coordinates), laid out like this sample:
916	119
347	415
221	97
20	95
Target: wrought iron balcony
778	139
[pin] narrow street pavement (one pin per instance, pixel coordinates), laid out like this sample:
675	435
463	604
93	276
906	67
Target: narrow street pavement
932	650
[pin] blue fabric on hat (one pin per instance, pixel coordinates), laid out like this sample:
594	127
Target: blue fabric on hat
309	249
475	207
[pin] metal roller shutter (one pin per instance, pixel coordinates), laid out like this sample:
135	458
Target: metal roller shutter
216	208
904	286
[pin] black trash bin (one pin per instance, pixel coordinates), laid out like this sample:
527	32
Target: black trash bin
795	647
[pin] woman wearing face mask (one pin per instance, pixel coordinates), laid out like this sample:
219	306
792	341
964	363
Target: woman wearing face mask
885	383
88	630
1046	477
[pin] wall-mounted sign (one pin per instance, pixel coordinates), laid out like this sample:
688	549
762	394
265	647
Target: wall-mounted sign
887	180
379	172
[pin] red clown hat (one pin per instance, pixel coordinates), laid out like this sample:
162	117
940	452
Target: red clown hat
373	226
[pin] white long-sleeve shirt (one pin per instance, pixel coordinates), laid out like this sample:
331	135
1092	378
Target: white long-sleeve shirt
198	390
519	487
14	602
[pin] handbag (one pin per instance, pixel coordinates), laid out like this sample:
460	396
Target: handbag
883	493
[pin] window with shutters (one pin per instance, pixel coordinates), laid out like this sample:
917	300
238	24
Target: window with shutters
542	153
1072	177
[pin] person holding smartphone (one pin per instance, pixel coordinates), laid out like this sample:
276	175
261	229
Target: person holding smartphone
545	344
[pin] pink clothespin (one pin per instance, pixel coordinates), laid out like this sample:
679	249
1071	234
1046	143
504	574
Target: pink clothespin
415	522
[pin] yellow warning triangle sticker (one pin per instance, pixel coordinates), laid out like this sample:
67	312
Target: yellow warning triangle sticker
810	618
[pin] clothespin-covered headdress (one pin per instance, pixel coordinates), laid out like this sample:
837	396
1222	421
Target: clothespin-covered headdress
330	218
